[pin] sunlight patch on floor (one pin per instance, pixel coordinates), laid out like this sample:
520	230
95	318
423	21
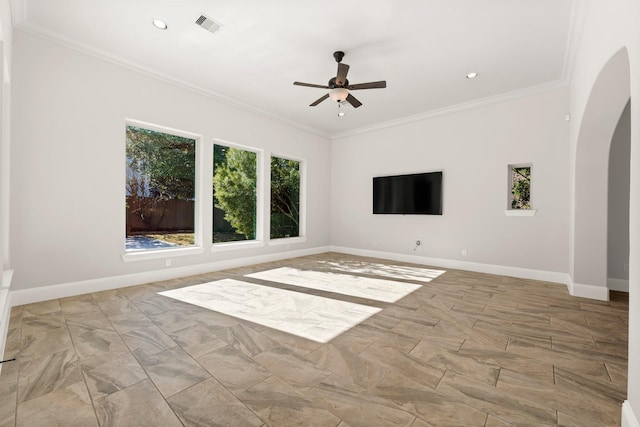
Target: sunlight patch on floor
404	272
345	284
316	318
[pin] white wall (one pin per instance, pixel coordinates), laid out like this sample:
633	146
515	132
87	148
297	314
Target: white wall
6	40
68	161
610	26
6	37
618	212
473	148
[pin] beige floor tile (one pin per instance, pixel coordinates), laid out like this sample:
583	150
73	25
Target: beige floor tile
358	409
504	405
79	304
209	403
173	370
42	375
64	407
280	404
107	373
565	399
147	341
463	349
290	367
198	339
235	370
138	405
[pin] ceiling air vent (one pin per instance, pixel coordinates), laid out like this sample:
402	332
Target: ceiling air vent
208	24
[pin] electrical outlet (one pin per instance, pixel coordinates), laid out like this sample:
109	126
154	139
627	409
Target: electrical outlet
167	262
464	252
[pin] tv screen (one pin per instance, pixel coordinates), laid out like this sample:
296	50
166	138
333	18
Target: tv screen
415	194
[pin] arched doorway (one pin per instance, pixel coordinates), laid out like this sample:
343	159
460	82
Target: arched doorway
618	204
608	98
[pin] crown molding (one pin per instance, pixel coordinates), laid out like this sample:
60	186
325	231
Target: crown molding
579	9
476	103
154	73
575	31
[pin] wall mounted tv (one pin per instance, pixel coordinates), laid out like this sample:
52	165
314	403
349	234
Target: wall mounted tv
415	194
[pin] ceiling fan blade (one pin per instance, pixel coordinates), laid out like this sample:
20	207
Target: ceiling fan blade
341	78
310	85
319	100
353	101
371	85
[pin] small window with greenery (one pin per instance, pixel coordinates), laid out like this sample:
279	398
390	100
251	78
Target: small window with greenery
285	198
234	194
520	187
160	189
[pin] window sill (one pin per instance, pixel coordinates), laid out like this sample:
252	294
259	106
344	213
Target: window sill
287	241
520	212
231	246
143	255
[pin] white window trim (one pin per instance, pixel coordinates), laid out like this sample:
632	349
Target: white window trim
519	212
236	245
197	248
287	240
145	255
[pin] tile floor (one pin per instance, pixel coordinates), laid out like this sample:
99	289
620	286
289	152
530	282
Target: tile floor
463	349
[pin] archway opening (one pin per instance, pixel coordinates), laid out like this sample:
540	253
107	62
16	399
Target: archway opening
618	204
609	96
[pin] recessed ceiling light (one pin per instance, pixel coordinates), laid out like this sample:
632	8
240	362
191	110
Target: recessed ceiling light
160	24
472	75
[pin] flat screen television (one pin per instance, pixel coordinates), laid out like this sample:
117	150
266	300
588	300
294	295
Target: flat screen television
414	194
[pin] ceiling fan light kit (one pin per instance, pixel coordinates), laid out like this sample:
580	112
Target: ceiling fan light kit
339	87
339	94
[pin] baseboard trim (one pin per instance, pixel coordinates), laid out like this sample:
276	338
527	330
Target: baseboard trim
7	276
629	418
589	291
522	273
619	285
45	293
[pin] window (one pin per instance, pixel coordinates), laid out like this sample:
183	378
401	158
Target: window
177	185
160	189
285	198
519	193
520	185
234	194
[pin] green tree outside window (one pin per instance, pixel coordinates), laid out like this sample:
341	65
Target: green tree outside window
521	187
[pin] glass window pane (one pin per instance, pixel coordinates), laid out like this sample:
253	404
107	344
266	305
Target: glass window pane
521	187
160	190
285	198
234	194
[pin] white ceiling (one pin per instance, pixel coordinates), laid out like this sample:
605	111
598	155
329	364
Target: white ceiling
422	48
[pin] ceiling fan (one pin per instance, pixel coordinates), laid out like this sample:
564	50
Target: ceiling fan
339	86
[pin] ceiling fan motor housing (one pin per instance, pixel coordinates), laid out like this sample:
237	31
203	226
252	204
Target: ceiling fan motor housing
332	83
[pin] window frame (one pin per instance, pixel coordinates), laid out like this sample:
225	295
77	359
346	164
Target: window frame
203	201
517	211
302	211
259	240
197	247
